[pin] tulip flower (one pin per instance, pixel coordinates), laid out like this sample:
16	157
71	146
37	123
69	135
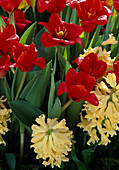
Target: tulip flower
25	57
4	65
7	36
116	69
20	21
116	5
51	5
78	86
92	13
10	5
91	65
60	32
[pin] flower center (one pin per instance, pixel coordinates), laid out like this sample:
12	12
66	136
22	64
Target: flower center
48	132
50	0
61	33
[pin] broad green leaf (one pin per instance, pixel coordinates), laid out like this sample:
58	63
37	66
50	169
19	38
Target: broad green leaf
11	160
29	84
80	165
47	53
51	95
25	111
16	82
37	92
7	90
56	110
27	37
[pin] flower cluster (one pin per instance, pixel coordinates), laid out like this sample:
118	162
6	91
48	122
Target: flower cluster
52	140
101	122
4	118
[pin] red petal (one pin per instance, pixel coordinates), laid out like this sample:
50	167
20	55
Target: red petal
91	98
99	69
62	88
77	92
47	40
40	62
72	77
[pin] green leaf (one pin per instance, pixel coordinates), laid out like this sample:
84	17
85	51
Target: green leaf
74	17
29	84
7	90
87	155
16	82
95	36
27	37
56	110
51	95
11	160
47	53
2	23
80	165
25	111
37	92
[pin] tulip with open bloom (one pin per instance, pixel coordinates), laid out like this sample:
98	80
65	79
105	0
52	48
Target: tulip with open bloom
60	32
78	86
91	65
25	57
91	13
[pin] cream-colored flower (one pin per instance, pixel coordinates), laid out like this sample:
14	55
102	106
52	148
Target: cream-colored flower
4	117
104	118
51	140
110	40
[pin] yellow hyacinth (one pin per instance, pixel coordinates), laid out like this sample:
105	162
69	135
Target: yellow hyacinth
4	117
51	140
101	122
110	40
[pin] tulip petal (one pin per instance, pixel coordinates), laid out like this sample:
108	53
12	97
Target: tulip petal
47	40
91	98
40	62
62	88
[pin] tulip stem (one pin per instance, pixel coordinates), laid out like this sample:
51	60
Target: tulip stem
22	129
66	105
10	18
86	40
21	85
22	134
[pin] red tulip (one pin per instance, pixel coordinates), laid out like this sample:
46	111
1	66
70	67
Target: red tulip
20	21
78	86
51	5
91	65
6	37
92	13
61	33
25	57
10	5
116	69
4	65
116	5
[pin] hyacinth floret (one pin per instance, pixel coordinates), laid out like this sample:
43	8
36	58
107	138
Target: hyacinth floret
4	118
51	141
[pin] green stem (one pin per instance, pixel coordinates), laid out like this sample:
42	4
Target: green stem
22	134
10	18
21	85
66	105
86	40
22	129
